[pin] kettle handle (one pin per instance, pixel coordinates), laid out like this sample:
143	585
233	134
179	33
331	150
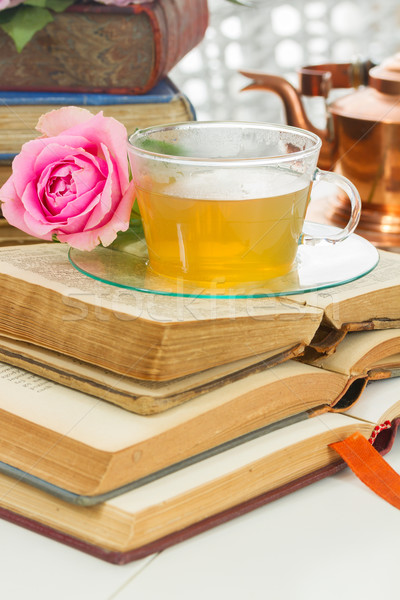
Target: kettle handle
318	80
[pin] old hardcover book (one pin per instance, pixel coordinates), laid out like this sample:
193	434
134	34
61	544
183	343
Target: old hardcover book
45	301
83	449
371	302
139	396
360	358
96	48
20	112
43	419
200	496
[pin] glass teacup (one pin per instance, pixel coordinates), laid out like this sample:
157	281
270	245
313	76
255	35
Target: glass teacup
225	202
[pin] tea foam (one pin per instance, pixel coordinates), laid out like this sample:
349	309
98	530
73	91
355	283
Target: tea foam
238	184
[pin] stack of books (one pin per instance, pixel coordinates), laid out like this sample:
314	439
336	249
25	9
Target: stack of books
129	83
132	421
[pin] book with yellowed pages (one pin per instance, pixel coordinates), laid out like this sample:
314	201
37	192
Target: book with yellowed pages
361	357
88	444
139	396
45	301
20	111
371	302
201	495
83	449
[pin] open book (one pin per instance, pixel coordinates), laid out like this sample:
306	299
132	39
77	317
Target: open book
139	396
46	302
371	302
361	357
202	495
85	450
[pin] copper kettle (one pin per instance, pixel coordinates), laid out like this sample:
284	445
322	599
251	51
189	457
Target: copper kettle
361	139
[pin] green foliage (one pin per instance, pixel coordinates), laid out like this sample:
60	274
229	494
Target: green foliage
23	21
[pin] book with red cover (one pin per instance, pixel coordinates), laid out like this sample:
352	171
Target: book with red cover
95	48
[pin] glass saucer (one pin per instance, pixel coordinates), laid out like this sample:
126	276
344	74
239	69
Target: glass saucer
125	264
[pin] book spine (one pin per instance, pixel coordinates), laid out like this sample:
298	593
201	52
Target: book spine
179	25
384	440
163	92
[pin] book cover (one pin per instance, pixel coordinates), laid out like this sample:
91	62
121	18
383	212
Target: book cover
95	48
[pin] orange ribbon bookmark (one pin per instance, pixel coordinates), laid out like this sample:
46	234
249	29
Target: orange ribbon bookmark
370	467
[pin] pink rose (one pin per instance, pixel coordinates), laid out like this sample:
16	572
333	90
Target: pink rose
73	182
9	3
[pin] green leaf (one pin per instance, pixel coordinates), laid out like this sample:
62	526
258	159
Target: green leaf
7	15
135	213
26	21
59	5
40	3
56	5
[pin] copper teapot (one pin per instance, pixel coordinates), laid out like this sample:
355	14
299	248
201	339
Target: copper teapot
361	139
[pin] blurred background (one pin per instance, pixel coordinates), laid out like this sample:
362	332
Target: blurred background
278	37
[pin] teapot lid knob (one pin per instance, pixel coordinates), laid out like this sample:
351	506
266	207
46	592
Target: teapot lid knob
386	77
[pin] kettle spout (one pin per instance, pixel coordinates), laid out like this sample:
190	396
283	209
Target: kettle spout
294	110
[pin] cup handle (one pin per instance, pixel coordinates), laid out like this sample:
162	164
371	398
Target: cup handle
355	201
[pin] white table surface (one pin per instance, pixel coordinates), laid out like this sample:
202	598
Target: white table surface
333	540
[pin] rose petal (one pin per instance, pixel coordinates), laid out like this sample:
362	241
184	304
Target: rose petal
55	150
81	204
110	196
56	187
41	228
87	240
36	155
14	211
56	121
9	3
106	130
89	174
30	200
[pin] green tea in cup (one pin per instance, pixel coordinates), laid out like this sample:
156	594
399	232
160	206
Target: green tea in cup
225	203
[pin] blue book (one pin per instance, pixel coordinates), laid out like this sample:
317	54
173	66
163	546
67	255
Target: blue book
20	111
